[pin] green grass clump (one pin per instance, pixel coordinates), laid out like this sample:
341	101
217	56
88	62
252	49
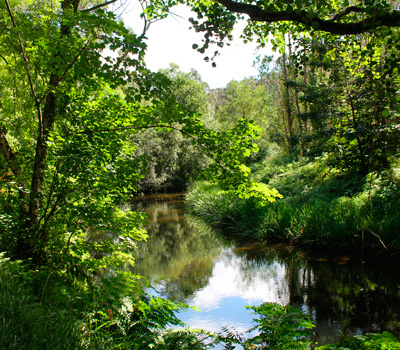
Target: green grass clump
320	208
224	210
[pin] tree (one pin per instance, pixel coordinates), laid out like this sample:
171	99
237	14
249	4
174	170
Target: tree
354	26
350	98
339	18
249	99
217	18
173	161
244	99
74	90
52	69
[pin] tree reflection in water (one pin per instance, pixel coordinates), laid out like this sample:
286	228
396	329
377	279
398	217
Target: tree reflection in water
187	264
176	258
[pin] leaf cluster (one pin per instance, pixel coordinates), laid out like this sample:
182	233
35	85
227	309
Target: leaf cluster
281	327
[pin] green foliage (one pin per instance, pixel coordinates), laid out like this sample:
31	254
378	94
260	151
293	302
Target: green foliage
273	20
260	192
224	210
66	170
249	99
25	322
173	161
73	97
103	314
349	91
244	99
320	209
71	113
135	324
186	339
281	327
371	341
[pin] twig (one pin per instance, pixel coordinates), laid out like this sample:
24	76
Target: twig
28	71
67	69
99	6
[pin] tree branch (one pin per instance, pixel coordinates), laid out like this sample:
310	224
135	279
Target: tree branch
99	6
311	19
351	9
28	71
23	52
52	86
4	59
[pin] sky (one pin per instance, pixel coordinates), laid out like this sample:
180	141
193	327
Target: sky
170	41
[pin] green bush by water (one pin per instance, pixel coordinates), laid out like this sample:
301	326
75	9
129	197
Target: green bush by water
83	316
224	210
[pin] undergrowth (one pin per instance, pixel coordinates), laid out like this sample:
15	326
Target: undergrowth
103	314
320	208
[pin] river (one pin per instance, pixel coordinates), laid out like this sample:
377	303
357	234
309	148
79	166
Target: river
190	264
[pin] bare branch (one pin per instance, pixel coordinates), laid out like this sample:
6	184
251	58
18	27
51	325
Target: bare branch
3	58
146	24
99	6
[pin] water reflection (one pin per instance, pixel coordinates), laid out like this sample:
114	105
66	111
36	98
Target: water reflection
177	259
183	263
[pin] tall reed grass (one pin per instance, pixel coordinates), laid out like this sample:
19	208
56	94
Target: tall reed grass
338	212
224	210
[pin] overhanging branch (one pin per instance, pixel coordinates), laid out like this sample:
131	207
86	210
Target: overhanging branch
163	126
311	19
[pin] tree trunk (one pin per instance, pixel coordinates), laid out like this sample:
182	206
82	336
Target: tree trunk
287	102
31	247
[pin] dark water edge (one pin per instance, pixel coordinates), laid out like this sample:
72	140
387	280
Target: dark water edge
183	262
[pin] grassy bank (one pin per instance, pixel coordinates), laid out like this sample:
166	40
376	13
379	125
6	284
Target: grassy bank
320	208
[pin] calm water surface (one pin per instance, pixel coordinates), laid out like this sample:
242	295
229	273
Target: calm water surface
191	265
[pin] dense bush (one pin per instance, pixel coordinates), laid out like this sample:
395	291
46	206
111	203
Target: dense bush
172	160
104	313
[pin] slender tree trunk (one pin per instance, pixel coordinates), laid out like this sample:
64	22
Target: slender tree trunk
286	102
364	167
32	247
41	155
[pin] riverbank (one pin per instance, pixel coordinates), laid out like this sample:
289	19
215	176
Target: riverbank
321	208
109	312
